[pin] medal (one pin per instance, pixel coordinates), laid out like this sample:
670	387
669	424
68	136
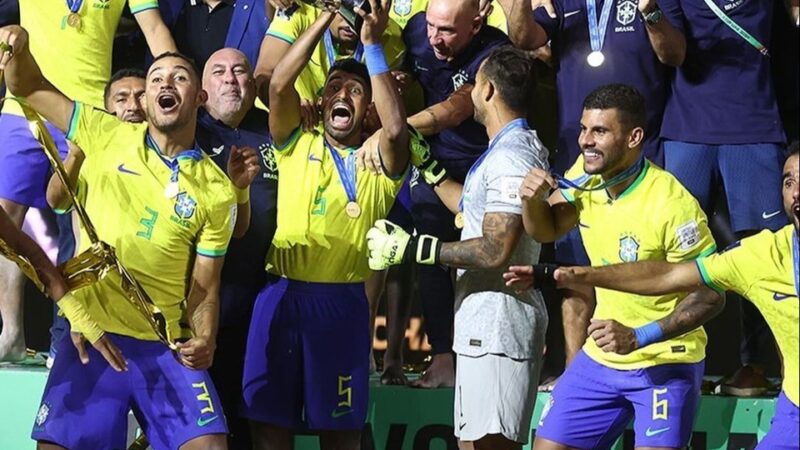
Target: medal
595	58
74	20
172	190
459	221
353	210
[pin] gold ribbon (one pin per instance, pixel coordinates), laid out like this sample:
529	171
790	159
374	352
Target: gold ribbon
23	263
97	261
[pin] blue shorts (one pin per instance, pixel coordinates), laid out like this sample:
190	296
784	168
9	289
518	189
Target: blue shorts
24	168
592	404
307	359
784	431
749	173
86	407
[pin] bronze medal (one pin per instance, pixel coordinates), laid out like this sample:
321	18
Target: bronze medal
74	20
353	210
459	221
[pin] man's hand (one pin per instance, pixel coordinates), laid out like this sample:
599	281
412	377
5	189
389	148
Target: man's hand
279	4
613	337
402	80
546	4
519	278
367	157
110	352
537	184
387	244
647	6
485	8
243	166
13	39
197	353
374	24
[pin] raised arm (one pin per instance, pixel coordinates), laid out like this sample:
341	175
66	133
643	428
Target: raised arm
643	278
155	31
57	196
24	78
523	30
545	219
203	312
284	102
446	114
393	144
271	52
668	42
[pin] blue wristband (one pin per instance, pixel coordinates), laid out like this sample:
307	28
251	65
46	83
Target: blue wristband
648	334
376	61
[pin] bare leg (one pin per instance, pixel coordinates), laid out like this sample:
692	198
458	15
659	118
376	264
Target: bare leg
207	442
340	440
441	373
374	288
398	309
12	282
269	437
576	310
496	442
48	446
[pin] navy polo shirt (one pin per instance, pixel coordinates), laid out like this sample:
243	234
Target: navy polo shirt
244	262
723	93
439	79
629	59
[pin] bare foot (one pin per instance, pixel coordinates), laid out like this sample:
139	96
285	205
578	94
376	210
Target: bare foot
12	347
441	373
393	375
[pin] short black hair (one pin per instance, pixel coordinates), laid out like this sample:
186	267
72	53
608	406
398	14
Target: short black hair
625	99
511	72
794	149
192	65
351	66
120	74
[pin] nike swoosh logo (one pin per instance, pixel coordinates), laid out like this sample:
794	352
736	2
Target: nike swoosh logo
651	433
122	169
461	426
203	422
218	150
766	216
314	158
777	296
337	414
571	13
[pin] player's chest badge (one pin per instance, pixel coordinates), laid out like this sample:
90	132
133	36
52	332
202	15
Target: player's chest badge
626	12
402	7
185	206
628	249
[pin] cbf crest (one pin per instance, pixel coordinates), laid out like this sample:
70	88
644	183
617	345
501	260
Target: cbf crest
268	158
402	7
626	12
185	206
628	249
459	80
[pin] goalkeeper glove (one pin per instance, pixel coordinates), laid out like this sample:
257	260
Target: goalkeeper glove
389	245
431	171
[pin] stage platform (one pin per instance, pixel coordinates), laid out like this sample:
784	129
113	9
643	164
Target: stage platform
402	418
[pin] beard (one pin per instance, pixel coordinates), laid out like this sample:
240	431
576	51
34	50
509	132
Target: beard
167	125
340	135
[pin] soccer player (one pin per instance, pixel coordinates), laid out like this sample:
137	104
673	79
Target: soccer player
445	46
228	80
644	358
499	332
72	42
762	268
306	366
172	234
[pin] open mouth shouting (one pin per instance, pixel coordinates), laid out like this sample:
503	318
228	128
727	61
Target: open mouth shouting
168	101
341	116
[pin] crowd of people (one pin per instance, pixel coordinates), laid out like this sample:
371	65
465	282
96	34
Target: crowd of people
269	170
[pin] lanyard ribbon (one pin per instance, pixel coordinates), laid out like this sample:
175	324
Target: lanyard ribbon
173	164
597	32
736	28
578	183
74	5
347	171
330	50
514	124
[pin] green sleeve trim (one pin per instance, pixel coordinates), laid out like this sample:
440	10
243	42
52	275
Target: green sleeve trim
144	7
284	37
709	251
568	195
73	120
61	212
704	275
212	253
289	142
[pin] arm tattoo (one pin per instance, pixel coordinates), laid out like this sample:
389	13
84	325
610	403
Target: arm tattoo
434	125
692	312
500	234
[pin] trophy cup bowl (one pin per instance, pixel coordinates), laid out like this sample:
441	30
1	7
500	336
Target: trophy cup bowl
346	9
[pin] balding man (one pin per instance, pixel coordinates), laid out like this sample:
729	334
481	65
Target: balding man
228	80
445	46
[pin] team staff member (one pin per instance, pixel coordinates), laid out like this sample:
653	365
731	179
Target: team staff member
499	332
179	215
610	380
762	268
72	42
306	366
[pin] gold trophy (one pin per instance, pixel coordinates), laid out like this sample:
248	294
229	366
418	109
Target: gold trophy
344	8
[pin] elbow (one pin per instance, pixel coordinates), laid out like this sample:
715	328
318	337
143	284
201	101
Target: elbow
674	57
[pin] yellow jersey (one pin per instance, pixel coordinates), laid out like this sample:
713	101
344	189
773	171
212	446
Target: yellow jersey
655	218
289	26
761	268
124	182
76	60
333	245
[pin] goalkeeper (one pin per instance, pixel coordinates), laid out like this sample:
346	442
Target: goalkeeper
499	333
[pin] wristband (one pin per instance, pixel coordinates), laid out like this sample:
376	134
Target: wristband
426	249
432	172
79	318
648	334
544	275
242	195
375	59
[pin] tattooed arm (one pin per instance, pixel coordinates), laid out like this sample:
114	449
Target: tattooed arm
449	113
202	308
501	231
